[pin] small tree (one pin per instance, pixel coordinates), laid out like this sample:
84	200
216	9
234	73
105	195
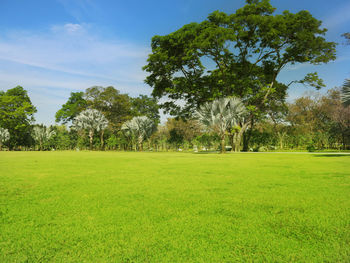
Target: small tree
140	128
42	134
4	136
91	120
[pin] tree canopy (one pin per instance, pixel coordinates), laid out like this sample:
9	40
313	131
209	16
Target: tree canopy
145	106
237	54
115	106
91	120
75	104
16	115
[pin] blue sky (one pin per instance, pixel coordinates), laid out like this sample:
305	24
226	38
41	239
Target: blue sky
54	47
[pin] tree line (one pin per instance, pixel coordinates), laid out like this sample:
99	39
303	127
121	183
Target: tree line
312	122
218	78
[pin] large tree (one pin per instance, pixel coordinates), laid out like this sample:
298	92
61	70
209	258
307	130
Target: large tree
16	115
239	54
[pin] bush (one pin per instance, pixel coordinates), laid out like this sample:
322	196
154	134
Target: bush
310	148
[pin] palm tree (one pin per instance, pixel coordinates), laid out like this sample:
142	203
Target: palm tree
140	128
91	120
345	93
4	136
41	134
222	115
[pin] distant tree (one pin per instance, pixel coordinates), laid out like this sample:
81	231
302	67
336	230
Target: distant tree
16	115
186	129
75	104
42	134
207	140
62	139
140	128
4	136
224	115
145	106
175	137
91	120
116	107
347	37
346	86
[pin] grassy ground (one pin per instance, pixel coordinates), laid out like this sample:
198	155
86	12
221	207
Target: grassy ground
174	207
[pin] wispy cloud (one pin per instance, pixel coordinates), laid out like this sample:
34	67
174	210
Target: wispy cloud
79	9
72	48
68	57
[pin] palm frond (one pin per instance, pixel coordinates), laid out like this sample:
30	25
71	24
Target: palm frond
345	93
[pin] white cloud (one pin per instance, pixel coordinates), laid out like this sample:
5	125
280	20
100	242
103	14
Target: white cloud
69	57
71	48
71	28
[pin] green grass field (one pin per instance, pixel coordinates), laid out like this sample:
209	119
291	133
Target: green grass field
174	207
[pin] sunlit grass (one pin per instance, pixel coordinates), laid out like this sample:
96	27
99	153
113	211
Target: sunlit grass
173	207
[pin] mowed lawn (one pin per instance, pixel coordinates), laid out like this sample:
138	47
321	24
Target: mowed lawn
174	207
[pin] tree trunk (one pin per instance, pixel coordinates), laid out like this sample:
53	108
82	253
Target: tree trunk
239	137
232	141
281	137
247	136
102	141
223	144
140	144
91	135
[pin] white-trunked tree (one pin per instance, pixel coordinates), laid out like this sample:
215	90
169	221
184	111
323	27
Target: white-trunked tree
42	134
91	120
345	93
141	128
4	136
223	116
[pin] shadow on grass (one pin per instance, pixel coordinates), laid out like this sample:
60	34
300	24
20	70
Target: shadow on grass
331	155
206	152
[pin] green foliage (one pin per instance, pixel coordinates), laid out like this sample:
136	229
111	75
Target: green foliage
313	80
75	104
146	106
16	115
208	140
175	138
62	140
115	106
174	207
237	54
112	142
